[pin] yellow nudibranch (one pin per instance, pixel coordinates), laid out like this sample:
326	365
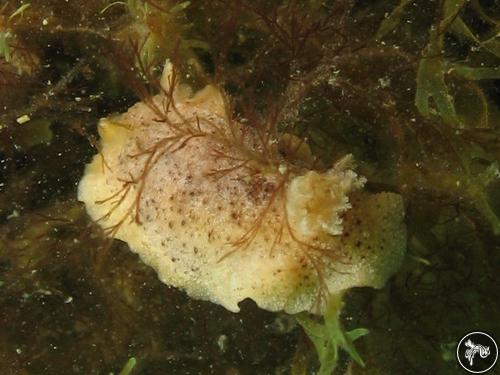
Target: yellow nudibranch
223	215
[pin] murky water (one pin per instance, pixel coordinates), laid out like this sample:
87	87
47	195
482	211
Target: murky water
410	89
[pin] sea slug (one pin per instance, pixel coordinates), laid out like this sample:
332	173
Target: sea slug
226	211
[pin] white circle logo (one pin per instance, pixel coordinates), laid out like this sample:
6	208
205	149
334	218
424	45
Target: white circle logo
477	352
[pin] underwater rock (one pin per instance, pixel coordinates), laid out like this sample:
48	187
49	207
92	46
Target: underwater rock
225	216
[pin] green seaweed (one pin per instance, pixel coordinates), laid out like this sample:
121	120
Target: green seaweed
129	367
434	66
392	20
431	84
432	69
474	74
4	45
328	337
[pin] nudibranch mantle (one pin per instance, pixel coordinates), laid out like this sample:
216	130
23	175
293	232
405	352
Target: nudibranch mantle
225	227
